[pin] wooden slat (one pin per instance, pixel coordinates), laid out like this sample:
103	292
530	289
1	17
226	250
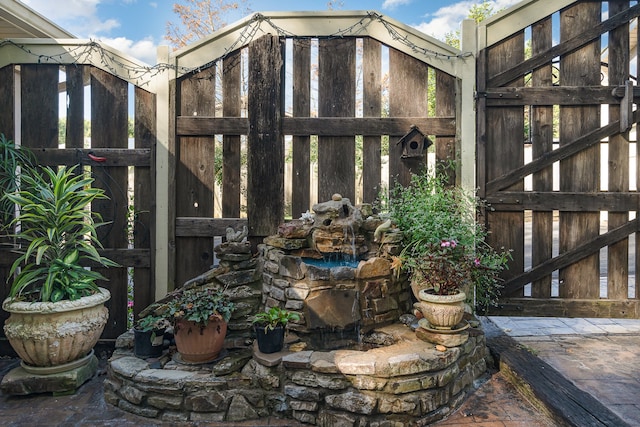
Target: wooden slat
75	105
566	150
138	258
407	98
562	201
144	194
556	95
195	177
265	186
561	307
567	45
618	171
301	161
571	257
172	172
80	156
321	126
109	127
39	104
504	152
231	87
192	226
541	144
372	106
336	98
580	172
445	106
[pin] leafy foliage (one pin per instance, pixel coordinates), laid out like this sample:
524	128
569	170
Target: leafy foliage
58	234
443	243
275	316
12	157
199	305
152	323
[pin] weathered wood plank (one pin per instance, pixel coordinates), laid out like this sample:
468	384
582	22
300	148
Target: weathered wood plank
566	150
265	157
192	226
144	194
571	257
301	161
231	86
372	107
481	131
75	105
445	106
567	45
618	171
541	144
139	157
109	112
172	172
561	307
562	201
336	98
556	95
408	79
548	389
580	172
39	104
504	152
195	176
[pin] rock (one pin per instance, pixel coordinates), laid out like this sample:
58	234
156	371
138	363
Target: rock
336	197
447	340
440	347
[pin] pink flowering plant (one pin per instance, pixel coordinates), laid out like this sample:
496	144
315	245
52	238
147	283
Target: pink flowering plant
443	244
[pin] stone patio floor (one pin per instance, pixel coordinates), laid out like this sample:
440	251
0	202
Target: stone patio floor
599	355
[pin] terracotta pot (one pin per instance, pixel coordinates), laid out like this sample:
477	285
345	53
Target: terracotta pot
200	344
441	311
55	333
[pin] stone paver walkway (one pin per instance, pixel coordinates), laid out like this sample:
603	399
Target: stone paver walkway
600	356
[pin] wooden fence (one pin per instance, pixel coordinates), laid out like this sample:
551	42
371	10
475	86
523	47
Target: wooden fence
30	94
572	105
265	125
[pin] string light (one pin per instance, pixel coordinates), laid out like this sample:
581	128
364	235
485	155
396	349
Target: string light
82	53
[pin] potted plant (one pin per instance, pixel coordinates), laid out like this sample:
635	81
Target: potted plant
270	325
57	310
148	334
444	247
199	317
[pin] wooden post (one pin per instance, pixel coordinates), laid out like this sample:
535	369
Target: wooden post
301	186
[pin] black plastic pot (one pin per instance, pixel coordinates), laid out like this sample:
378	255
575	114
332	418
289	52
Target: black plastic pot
148	343
270	341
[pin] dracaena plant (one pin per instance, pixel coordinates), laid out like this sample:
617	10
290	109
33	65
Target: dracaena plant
57	236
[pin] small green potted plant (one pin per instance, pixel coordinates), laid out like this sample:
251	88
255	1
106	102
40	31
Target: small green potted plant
55	239
269	326
149	336
199	317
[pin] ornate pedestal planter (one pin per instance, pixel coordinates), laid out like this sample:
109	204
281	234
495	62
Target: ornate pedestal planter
47	334
441	311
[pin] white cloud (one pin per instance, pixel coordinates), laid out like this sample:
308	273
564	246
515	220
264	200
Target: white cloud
80	18
447	19
145	50
392	4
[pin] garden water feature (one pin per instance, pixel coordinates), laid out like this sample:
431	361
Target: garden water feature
322	377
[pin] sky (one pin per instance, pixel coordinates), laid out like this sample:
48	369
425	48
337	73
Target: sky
138	27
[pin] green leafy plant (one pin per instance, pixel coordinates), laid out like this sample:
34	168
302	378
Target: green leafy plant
12	159
273	317
200	305
58	238
443	244
152	323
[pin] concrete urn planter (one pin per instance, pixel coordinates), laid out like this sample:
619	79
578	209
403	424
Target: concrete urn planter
47	334
441	311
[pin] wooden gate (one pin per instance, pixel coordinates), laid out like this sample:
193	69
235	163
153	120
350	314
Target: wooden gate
268	101
30	94
556	149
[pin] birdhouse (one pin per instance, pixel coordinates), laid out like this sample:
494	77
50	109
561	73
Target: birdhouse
414	143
